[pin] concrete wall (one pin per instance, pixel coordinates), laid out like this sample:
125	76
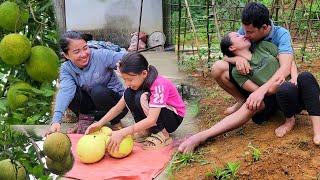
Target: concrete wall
113	20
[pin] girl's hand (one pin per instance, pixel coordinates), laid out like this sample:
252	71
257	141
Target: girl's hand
115	140
93	128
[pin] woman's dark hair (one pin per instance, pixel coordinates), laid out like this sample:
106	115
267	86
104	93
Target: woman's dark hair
65	39
256	14
225	45
135	63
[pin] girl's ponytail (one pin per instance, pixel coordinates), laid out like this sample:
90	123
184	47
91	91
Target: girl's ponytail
152	75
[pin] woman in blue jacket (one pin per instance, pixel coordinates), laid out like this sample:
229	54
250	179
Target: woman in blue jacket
88	83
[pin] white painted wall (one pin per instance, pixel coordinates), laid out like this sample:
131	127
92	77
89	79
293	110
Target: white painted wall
88	15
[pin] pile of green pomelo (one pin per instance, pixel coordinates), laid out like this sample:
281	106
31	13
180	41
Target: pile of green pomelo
41	62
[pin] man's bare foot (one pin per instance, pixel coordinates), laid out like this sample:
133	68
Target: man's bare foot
233	108
285	128
188	145
316	139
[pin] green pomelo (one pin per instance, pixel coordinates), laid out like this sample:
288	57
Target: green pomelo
12	170
125	148
57	146
60	167
15	49
91	148
12	17
15	95
43	64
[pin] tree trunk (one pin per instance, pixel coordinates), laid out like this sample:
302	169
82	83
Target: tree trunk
60	12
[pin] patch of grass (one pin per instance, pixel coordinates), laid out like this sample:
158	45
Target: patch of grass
229	171
181	160
193	108
189	63
255	153
227	98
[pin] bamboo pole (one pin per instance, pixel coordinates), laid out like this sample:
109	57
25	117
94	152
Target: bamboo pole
216	19
277	12
208	33
306	37
291	14
192	26
185	31
139	28
179	31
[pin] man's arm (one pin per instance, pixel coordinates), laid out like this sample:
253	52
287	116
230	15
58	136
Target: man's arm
285	61
250	86
294	73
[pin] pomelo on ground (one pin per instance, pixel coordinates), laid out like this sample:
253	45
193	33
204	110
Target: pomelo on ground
104	130
125	148
57	146
91	148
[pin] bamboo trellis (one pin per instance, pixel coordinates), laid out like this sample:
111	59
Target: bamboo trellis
213	19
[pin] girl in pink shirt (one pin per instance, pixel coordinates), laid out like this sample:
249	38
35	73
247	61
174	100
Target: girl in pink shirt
153	100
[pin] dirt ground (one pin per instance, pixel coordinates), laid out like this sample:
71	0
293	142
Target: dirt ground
291	157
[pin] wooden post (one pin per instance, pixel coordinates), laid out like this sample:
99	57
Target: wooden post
60	12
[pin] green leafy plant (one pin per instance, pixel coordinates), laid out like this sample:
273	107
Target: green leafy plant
181	160
229	171
255	153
